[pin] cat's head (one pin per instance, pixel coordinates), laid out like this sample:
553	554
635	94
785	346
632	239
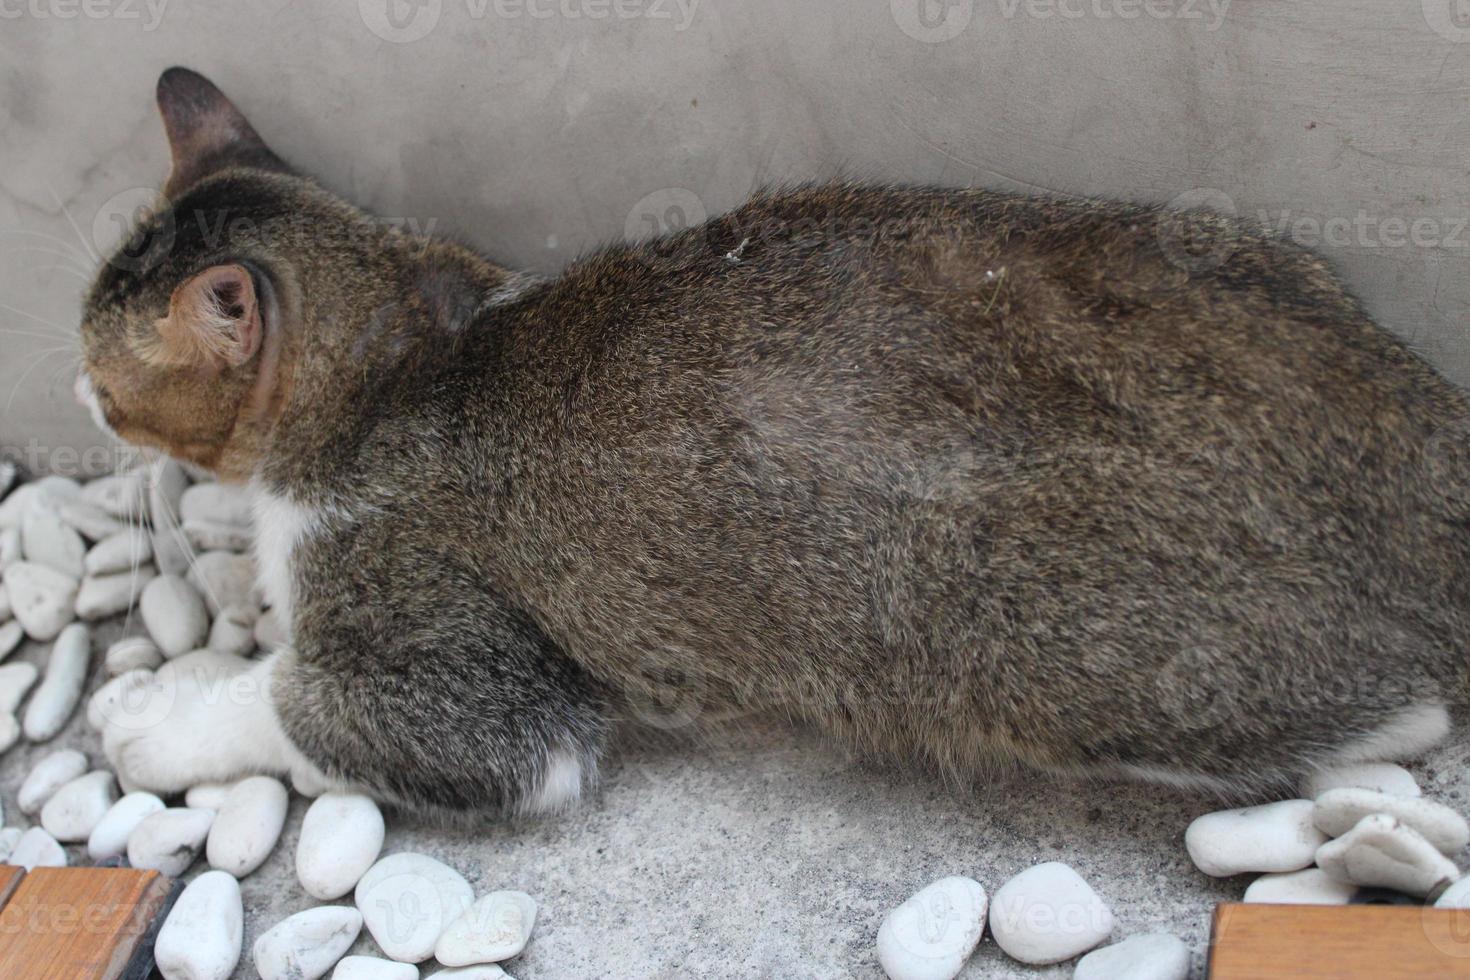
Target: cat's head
186	331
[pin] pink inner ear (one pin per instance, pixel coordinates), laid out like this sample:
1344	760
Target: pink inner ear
213	319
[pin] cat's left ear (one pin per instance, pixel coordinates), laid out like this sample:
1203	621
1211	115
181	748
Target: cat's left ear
214	321
206	132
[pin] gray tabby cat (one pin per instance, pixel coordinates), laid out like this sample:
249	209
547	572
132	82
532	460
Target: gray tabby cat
959	476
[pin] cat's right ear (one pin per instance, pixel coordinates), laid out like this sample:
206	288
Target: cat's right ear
206	133
214	322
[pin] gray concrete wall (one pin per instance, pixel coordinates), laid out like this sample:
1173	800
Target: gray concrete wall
536	128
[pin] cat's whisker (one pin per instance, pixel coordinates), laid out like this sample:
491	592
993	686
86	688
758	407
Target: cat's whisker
39	319
91	252
58	266
72	252
40	357
29	333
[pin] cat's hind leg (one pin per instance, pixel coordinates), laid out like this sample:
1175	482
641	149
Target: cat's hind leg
482	715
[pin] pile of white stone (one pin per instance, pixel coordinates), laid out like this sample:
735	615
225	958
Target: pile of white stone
1360	826
178	554
1046	914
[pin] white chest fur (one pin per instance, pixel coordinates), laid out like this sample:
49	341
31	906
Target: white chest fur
281	525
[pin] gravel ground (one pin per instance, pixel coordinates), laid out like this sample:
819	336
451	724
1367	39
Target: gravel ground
767	853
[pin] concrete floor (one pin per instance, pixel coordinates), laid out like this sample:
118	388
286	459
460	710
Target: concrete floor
766	853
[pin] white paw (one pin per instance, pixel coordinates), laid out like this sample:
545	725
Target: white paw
204	717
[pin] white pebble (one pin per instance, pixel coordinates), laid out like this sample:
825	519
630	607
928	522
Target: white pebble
499	925
15	506
247	826
1338	810
38	849
210	536
217	503
225	579
121	552
59	488
481	971
437	892
74	810
132	653
341	836
1310	887
42	599
11	636
175	615
234	631
171	551
15	680
169	840
373	968
5	612
61	687
1273	837
269	633
9	837
109	838
1047	914
201	938
122	495
102	596
9	546
47	540
89	520
1147	956
932	934
306	945
47	776
1457	896
208	796
1384	853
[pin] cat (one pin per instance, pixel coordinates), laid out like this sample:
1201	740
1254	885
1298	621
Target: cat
958	476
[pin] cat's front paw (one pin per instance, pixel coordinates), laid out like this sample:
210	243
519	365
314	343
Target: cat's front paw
204	717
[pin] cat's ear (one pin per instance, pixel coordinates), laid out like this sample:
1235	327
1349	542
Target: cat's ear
214	321
206	132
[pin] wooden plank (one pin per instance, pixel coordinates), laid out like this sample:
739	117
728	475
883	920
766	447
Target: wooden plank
1338	942
10	876
78	923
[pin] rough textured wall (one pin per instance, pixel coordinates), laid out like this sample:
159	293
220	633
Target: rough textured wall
536	128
